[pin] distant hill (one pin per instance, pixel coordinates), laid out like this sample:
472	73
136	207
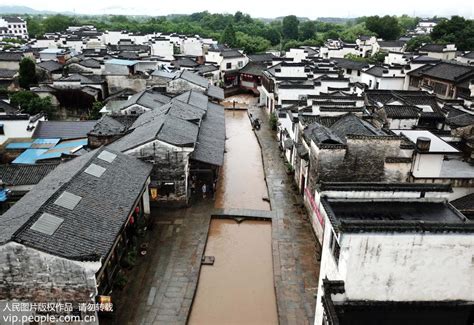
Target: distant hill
23	10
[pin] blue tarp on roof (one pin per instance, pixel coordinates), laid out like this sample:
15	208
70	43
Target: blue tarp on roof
71	144
29	156
19	145
121	62
3	195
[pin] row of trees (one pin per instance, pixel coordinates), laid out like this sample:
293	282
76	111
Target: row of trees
256	35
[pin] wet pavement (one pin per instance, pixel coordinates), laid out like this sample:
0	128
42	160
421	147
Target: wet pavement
295	248
162	285
242	101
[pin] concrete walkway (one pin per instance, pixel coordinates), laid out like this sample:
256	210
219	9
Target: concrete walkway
295	249
161	287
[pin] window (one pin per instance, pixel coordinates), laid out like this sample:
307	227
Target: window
358	73
2	130
334	247
349	71
228	65
240	64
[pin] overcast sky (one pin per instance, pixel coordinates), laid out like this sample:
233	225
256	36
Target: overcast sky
259	8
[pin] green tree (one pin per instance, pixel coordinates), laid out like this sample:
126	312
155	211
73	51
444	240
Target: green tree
35	28
57	23
289	28
408	23
307	30
31	103
273	35
457	30
386	27
27	73
228	37
94	112
252	44
416	42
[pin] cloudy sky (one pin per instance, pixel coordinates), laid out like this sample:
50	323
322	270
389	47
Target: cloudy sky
259	8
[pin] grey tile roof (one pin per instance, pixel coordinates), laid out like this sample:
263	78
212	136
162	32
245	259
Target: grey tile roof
375	71
464	203
350	64
185	111
449	71
194	78
90	63
7	74
7	108
261	57
215	92
12	19
84	78
50	66
63	129
398	44
211	139
254	68
351	124
141	134
107	125
231	53
177	122
90	229
21	174
11	56
402	111
469	55
146	98
321	134
432	48
178	132
195	98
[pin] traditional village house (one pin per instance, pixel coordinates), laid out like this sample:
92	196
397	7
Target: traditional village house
63	241
386	251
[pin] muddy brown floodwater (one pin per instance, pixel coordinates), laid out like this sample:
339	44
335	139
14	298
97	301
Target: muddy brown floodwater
241	183
238	288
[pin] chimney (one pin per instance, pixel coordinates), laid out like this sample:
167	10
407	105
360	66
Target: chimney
423	144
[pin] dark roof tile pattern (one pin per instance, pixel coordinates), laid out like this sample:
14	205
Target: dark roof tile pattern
91	228
63	129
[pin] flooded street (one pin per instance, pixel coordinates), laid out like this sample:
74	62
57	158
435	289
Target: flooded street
241	183
238	288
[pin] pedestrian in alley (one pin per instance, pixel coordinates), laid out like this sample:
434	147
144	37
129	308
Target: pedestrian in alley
204	190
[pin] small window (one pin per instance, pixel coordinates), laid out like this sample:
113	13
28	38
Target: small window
241	63
334	247
228	65
349	71
2	130
358	73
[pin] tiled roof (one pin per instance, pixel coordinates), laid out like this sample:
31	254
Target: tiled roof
402	111
17	175
449	71
432	48
350	64
63	129
261	57
465	203
7	108
50	66
254	68
211	138
351	124
90	229
11	56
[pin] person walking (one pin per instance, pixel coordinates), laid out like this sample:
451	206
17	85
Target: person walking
204	190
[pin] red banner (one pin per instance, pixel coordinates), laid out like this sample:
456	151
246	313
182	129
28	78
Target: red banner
314	206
